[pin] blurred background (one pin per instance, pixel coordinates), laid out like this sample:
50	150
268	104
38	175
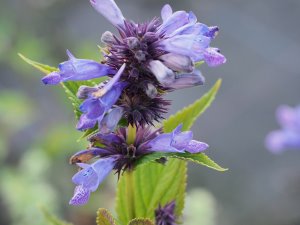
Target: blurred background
261	42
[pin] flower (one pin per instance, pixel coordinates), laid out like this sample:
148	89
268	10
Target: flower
89	178
177	141
115	153
99	100
289	135
77	69
165	215
160	55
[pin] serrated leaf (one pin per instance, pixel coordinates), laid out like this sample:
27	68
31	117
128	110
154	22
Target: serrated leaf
104	217
188	115
141	222
199	158
51	219
42	67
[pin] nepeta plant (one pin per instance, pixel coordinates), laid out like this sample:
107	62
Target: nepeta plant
123	116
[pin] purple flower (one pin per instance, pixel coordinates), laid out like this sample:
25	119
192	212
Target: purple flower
177	141
165	215
77	69
89	178
116	154
289	135
99	100
160	57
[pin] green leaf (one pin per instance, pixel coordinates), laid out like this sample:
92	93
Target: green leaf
52	220
141	222
140	192
104	217
42	67
199	158
188	115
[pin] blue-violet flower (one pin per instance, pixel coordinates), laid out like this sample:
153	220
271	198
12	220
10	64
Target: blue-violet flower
289	135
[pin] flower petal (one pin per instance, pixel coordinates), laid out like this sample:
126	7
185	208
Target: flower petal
162	73
188	80
85	123
110	10
181	140
166	12
213	57
162	143
81	196
188	45
111	120
175	21
87	177
177	62
196	146
52	78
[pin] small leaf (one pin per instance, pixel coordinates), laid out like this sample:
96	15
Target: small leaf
188	115
199	158
104	217
52	220
42	67
141	222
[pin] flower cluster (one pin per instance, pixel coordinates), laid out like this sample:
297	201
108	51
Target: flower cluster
143	63
117	153
289	135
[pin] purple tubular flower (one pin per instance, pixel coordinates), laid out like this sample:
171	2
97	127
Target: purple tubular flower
99	101
110	10
77	69
89	178
183	35
289	136
165	215
176	141
188	80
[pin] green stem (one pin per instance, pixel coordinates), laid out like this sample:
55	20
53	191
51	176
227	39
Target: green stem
129	176
129	180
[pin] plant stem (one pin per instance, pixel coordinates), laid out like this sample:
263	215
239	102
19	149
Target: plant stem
129	176
129	180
